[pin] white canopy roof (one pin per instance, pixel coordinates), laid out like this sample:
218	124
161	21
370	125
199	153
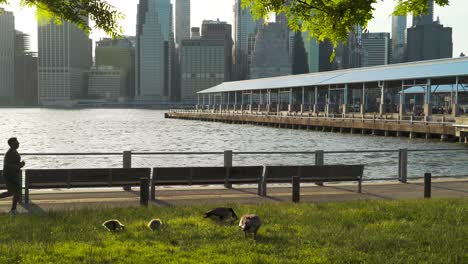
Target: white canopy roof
404	71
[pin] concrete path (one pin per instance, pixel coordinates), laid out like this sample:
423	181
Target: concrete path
42	201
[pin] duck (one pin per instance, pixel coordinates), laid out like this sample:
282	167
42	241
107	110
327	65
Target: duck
154	224
222	213
250	223
113	225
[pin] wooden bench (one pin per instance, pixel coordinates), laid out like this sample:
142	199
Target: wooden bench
83	178
315	174
204	175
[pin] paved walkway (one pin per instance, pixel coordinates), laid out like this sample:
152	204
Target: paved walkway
71	199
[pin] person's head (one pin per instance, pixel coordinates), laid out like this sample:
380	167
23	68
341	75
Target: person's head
13	143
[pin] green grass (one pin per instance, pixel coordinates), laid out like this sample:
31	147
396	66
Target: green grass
416	231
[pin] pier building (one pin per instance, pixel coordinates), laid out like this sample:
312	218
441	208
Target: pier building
331	99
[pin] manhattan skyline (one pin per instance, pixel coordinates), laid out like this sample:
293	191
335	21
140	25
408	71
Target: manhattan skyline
451	16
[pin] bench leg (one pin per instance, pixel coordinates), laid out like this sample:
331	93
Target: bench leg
26	195
153	191
360	186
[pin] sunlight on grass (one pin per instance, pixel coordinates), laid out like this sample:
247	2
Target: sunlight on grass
433	231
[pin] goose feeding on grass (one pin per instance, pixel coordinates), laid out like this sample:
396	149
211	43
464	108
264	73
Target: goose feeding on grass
250	223
113	225
154	224
222	213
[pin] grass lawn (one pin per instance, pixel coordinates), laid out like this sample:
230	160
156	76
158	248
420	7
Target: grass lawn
415	231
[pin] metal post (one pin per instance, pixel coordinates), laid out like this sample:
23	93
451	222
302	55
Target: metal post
127	159
290	106
427	185
144	191
403	165
303	99
296	188
227	165
319	157
235	100
363	99
127	164
345	98
382	98
319	162
262	185
427	100
316	110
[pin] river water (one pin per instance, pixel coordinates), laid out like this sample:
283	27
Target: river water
116	130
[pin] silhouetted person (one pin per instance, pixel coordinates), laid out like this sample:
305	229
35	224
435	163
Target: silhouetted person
12	165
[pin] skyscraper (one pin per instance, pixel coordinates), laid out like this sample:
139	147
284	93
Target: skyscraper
428	39
245	29
271	53
119	53
7	54
206	59
429	42
182	20
154	50
64	57
25	71
398	39
377	49
425	19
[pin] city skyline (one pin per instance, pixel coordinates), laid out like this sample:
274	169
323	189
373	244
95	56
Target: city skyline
450	16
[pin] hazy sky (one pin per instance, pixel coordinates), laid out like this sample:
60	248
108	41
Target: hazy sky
453	16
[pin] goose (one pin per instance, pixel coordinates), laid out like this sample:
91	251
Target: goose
113	225
154	224
250	223
221	212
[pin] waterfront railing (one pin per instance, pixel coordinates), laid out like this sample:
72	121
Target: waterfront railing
392	164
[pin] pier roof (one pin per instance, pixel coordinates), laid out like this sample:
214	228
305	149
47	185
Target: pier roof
404	71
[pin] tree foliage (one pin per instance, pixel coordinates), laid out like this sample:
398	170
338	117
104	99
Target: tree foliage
105	16
330	19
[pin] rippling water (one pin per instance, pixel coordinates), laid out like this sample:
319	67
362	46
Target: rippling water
116	130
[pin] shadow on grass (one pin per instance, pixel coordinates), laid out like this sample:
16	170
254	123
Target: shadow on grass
441	187
33	208
363	193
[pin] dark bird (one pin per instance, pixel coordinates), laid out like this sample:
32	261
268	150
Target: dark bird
113	225
250	223
154	224
222	212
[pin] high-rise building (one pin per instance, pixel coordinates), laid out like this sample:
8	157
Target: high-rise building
398	39
312	48
325	52
349	55
182	20
64	53
429	42
119	53
271	53
377	49
106	82
218	30
7	54
427	18
245	30
205	60
25	71
155	51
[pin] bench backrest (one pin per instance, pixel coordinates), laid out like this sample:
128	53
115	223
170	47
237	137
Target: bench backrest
69	178
205	175
335	172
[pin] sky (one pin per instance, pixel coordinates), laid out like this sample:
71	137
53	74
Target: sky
452	16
